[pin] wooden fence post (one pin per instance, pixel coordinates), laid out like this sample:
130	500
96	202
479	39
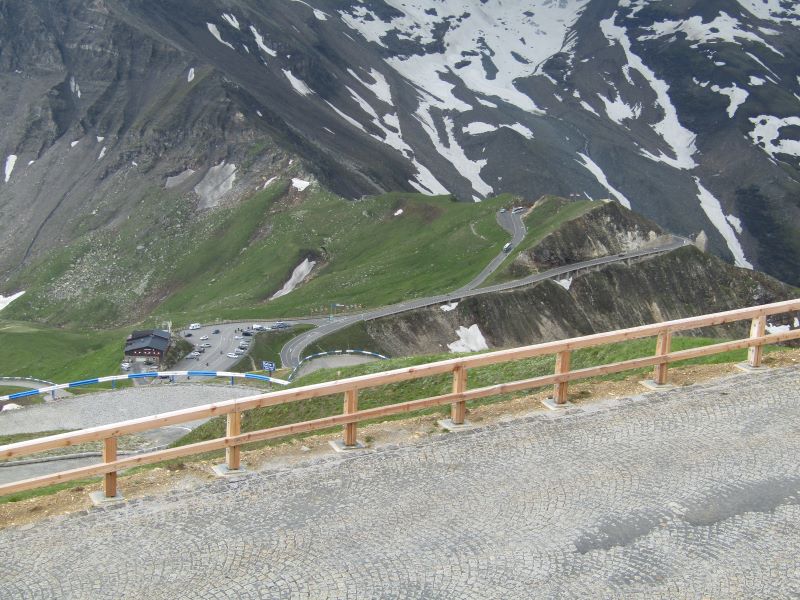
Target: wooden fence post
350	406
663	344
233	454
110	455
754	354
562	366
458	410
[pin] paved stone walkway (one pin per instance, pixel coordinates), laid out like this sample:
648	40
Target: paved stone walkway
688	494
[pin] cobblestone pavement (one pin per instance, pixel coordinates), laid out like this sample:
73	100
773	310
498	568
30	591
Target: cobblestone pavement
687	494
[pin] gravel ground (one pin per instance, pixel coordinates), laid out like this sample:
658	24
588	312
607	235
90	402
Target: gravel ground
102	408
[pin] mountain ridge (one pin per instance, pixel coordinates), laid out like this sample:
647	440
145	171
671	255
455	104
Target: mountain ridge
684	112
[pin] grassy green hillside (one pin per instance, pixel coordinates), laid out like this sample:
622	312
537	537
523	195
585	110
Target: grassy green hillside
168	262
58	355
366	254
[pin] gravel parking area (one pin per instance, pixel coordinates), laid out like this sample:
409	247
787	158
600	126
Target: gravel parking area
693	493
89	410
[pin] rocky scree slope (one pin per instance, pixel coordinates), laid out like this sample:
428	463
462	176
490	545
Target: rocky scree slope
686	112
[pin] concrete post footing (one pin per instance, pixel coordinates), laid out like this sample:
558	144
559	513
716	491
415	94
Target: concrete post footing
448	425
656	387
99	498
339	446
748	368
553	405
223	471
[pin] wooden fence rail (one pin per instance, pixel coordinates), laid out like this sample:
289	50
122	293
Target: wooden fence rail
351	416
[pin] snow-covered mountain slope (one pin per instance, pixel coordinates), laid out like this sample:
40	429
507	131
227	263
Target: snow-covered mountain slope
688	112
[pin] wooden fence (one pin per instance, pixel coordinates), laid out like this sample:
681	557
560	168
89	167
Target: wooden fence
351	416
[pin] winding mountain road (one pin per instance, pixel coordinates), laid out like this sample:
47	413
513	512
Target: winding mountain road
291	353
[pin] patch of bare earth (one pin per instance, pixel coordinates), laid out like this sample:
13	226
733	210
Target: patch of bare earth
190	474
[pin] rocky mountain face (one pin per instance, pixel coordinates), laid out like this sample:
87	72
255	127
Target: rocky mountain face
683	283
685	111
602	231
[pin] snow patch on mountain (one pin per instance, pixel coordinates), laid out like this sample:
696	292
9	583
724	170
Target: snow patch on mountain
392	134
322	16
6	300
772	10
767	131
190	76
217	182
478	128
380	88
11	160
74	87
679	139
713	210
300	184
346	117
618	111
215	32
260	42
566	283
300	272
298	85
425	182
723	28
601	178
102	153
736	96
232	21
470	339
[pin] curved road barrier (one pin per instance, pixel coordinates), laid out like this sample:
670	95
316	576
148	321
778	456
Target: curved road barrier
350	416
148	375
333	353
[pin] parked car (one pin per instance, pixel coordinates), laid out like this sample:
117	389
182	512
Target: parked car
281	325
195	326
206	345
215	331
237	337
247	333
187	334
507	247
232	355
126	366
194	354
238	351
203	337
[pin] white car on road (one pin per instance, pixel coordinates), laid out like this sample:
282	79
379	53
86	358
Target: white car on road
204	337
232	355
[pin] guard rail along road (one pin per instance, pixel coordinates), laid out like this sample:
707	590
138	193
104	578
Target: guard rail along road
351	416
